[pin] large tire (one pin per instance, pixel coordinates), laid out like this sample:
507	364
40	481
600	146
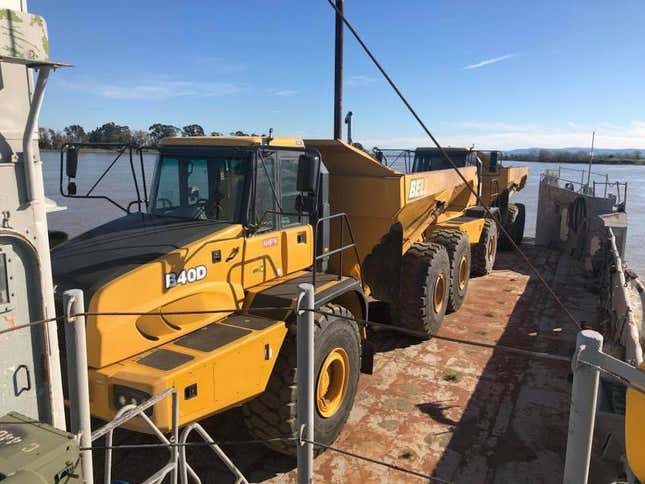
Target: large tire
509	222
514	224
458	247
518	234
485	251
423	297
273	413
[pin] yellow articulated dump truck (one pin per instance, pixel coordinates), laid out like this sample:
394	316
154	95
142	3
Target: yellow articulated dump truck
210	264
497	182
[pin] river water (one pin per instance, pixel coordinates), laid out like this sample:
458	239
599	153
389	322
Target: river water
83	214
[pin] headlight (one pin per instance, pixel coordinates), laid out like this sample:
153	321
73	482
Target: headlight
122	396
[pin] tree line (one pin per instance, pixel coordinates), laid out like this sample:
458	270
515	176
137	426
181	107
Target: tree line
566	156
115	133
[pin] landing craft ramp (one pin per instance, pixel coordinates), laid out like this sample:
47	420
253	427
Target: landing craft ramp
458	412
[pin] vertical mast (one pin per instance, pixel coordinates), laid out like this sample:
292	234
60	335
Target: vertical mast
338	73
593	137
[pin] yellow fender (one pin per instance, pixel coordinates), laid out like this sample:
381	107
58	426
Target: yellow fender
635	431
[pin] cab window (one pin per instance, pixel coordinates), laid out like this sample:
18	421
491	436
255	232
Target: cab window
265	184
288	190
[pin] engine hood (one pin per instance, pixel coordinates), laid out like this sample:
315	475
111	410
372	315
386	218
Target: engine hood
104	253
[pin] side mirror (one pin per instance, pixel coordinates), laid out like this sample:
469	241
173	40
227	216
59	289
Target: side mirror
71	162
308	170
71	188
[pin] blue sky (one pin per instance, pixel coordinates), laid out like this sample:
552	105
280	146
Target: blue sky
499	74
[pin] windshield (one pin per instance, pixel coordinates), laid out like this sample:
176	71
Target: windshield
432	160
201	187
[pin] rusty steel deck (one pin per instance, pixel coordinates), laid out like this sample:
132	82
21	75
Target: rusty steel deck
457	412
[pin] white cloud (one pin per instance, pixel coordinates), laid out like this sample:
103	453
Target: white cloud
360	81
505	137
487	62
284	92
155	90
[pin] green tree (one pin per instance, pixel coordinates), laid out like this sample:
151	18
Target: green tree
75	133
58	139
192	130
140	137
158	131
216	133
44	139
239	133
110	133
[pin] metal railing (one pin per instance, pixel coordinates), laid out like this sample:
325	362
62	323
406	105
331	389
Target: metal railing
344	221
186	470
597	188
587	364
80	412
127	413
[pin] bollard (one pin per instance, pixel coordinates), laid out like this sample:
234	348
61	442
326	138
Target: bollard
79	394
305	361
582	411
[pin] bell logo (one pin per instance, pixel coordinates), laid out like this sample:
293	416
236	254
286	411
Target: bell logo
417	188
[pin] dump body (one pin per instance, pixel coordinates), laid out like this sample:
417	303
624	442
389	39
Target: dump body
380	200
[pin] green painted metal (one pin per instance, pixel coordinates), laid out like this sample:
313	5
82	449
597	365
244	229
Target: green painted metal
35	452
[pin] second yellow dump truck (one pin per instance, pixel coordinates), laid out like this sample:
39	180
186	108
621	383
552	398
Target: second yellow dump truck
210	270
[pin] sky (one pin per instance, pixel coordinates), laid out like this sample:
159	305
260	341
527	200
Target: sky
496	74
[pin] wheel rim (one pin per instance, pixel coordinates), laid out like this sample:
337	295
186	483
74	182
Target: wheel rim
491	248
332	382
439	295
462	275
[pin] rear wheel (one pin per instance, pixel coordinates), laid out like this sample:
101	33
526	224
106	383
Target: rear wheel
485	251
508	222
458	248
518	234
425	280
337	361
514	225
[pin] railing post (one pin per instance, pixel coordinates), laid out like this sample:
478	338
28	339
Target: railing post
79	394
305	361
582	412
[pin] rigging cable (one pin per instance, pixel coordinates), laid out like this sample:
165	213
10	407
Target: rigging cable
449	160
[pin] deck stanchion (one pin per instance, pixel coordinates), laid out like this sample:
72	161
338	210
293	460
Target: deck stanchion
582	412
305	360
79	394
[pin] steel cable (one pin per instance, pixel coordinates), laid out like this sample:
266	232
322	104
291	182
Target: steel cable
409	332
141	313
449	160
376	461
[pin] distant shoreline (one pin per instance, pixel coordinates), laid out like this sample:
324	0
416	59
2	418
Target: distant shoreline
99	150
596	160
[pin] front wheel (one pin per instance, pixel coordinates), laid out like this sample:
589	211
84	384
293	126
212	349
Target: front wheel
337	346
